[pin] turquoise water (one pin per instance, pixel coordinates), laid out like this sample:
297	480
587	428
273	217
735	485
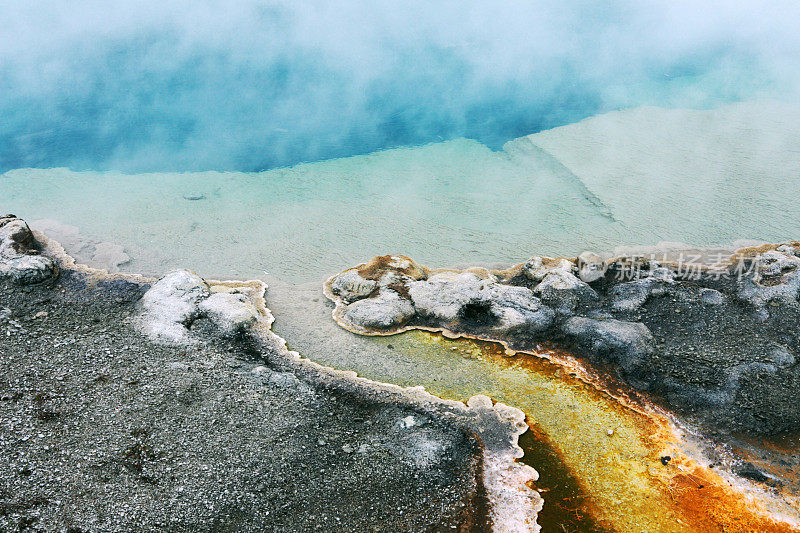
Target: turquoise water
451	202
258	84
633	177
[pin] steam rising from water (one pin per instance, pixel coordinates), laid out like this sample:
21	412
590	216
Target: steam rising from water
251	85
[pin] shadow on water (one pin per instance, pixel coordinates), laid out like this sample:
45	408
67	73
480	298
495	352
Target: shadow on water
566	505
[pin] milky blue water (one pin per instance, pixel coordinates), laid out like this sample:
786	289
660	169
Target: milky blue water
253	85
635	177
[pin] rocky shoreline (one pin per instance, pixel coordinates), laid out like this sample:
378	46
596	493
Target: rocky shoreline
717	344
130	402
713	341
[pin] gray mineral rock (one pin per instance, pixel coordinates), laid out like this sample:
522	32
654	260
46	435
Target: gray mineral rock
28	269
15	237
394	266
631	343
536	268
444	295
711	296
386	311
170	307
632	295
591	267
773	264
19	258
171	304
350	286
464	298
564	292
231	312
516	308
776	280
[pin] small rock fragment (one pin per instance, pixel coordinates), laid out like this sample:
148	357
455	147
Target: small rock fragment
283	380
231	312
591	267
408	422
387	310
711	296
350	286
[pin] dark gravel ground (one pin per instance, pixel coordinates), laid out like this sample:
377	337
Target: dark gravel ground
102	430
708	351
725	367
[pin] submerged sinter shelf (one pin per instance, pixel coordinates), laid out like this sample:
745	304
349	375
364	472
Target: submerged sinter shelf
637	176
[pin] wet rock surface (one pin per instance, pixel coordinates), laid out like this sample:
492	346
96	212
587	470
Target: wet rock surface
386	310
171	307
102	429
717	345
19	254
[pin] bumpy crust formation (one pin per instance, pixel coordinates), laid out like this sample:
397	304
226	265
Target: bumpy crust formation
19	255
717	341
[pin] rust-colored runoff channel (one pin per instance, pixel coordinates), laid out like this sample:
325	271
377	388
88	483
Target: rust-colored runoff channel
606	463
566	505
